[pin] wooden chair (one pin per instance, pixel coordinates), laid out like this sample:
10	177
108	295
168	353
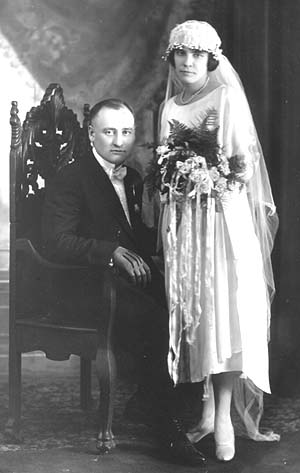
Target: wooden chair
49	139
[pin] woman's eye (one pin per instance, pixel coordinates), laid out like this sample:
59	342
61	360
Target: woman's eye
127	132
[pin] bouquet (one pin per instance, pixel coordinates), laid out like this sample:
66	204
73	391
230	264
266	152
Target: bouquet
191	161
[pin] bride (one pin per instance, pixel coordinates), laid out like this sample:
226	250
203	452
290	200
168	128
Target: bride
218	272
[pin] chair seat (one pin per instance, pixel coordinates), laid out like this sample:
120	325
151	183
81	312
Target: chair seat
44	322
58	342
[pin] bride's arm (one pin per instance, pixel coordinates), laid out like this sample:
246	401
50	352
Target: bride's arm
238	135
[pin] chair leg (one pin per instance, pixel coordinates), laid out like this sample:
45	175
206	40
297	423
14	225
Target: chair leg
12	427
106	367
85	383
106	371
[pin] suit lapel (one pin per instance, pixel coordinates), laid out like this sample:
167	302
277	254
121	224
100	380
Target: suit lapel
130	196
107	191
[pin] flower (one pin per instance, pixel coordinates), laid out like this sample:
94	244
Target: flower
214	173
191	162
197	175
224	165
185	167
221	185
163	149
206	184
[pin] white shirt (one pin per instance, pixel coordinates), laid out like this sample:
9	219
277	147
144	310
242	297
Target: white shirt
117	183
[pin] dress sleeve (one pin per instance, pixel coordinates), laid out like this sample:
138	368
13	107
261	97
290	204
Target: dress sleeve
236	137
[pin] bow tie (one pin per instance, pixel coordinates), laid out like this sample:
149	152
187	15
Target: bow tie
118	173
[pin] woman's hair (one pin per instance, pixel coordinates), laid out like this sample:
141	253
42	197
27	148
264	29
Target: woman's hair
212	63
115	104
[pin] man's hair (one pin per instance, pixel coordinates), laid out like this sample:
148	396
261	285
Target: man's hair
115	104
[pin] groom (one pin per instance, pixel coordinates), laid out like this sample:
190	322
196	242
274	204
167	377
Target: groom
92	216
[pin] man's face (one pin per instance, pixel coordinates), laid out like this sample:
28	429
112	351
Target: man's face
112	134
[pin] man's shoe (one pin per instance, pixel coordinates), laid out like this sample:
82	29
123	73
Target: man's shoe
181	450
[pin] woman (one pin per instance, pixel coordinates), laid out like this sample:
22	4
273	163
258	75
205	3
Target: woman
217	242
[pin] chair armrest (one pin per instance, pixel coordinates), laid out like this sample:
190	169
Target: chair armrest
25	246
159	263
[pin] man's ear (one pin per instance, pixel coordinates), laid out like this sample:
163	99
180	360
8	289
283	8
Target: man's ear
91	133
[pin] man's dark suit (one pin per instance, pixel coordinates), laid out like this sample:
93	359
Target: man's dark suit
84	219
84	223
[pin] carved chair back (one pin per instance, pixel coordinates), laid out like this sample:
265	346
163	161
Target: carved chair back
49	139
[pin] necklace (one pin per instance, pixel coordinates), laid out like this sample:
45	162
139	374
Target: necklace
184	102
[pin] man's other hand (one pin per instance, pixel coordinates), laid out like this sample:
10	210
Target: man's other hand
134	267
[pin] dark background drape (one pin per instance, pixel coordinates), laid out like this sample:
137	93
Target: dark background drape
100	48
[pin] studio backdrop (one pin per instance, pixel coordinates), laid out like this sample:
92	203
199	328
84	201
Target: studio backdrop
105	48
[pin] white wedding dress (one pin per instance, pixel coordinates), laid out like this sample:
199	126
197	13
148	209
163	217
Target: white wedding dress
218	301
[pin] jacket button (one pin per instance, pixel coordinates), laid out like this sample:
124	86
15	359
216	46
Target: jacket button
118	233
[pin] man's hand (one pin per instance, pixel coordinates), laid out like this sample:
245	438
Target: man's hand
135	268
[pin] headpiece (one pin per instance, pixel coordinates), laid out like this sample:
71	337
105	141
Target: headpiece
195	34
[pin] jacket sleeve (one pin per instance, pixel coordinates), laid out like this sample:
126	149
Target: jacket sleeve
63	214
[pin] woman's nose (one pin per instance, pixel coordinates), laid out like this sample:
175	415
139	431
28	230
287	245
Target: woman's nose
188	59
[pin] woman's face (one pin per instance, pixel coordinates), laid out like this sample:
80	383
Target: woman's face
190	65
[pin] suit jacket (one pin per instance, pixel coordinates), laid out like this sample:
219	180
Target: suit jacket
84	221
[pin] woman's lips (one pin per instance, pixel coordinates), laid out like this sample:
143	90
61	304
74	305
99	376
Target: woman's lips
187	72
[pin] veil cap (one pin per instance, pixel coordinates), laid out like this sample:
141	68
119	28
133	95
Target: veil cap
195	34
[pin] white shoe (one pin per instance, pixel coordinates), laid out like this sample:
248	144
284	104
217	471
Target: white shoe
225	451
198	433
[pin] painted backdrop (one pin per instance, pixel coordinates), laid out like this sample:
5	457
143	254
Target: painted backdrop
94	49
100	48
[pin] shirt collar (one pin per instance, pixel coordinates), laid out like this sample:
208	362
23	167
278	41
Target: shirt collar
107	166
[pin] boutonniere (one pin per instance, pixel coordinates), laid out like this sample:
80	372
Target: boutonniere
136	206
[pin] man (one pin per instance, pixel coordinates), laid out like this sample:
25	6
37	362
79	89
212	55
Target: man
92	216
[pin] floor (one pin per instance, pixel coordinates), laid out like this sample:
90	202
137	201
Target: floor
59	437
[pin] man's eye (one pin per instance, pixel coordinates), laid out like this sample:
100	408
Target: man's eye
108	132
127	132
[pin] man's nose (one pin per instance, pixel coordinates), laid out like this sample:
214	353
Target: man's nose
118	139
